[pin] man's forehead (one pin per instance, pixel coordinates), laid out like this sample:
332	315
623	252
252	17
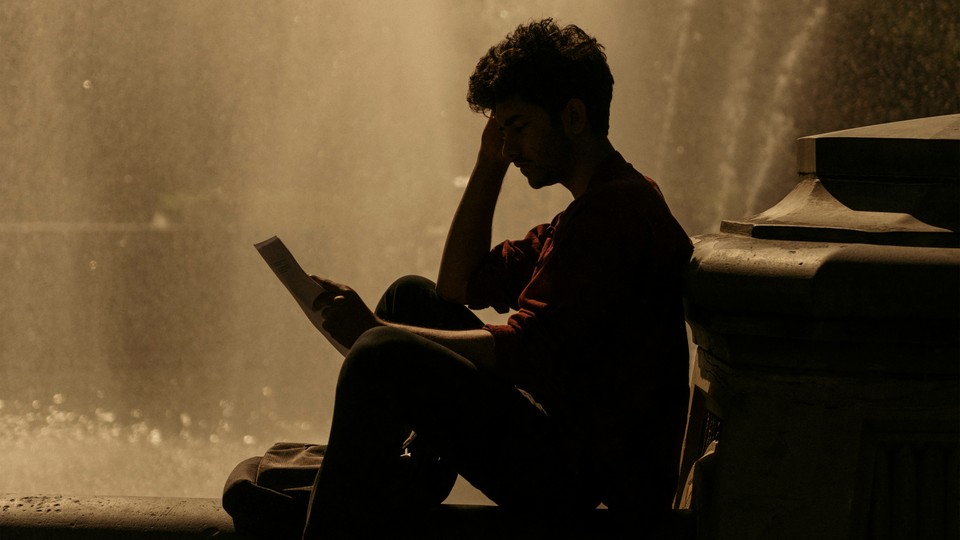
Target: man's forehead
512	109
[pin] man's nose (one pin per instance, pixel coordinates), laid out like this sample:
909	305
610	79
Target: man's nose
509	149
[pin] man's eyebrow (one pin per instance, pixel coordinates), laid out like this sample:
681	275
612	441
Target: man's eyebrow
510	120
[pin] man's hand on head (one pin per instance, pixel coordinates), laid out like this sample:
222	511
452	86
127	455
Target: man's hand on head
491	144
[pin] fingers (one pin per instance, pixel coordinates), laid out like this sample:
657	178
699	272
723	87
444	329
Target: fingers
491	143
329	285
333	293
326	300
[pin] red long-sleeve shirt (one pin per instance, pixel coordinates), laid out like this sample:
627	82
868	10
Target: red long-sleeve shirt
598	337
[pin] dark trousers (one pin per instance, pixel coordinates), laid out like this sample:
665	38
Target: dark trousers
478	425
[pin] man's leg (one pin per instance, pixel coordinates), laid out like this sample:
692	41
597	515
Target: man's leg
392	379
413	300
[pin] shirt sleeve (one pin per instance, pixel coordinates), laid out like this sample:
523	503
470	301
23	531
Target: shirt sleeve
589	290
506	271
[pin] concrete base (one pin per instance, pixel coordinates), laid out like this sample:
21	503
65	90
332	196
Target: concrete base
828	334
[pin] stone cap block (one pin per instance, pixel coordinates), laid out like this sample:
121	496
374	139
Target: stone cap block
923	149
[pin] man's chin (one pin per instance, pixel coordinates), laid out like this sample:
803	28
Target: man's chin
537	182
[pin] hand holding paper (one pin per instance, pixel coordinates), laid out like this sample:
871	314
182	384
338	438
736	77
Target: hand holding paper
281	261
304	289
345	316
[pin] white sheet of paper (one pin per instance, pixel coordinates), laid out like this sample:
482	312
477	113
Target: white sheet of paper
289	272
304	289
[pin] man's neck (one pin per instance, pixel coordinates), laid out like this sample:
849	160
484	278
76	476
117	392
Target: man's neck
587	157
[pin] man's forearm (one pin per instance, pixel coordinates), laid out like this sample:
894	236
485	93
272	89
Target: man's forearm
474	345
468	240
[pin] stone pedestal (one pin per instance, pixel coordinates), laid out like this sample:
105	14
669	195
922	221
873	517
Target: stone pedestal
828	336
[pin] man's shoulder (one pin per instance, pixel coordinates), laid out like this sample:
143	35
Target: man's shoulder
627	188
615	173
633	203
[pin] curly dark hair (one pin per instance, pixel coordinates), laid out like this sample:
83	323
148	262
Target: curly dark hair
546	65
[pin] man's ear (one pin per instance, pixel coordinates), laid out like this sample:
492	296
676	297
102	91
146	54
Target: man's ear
574	116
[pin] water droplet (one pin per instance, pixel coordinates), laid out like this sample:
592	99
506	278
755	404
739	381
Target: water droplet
267	391
159	221
93	265
185	419
227	408
58	399
460	182
249	439
155	437
87	84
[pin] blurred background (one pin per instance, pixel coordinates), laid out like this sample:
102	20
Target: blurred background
145	146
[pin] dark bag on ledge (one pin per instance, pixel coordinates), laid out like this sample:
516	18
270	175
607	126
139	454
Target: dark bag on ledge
267	496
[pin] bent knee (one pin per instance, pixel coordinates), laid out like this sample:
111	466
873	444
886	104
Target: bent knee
376	339
373	355
414	282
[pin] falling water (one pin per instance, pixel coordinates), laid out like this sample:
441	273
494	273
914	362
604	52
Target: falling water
145	146
776	131
673	82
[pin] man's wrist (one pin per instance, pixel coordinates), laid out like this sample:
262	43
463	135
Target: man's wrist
490	166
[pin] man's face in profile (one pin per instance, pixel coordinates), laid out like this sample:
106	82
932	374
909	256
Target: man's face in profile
534	142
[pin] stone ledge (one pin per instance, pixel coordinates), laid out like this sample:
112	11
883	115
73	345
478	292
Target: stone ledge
99	517
54	517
